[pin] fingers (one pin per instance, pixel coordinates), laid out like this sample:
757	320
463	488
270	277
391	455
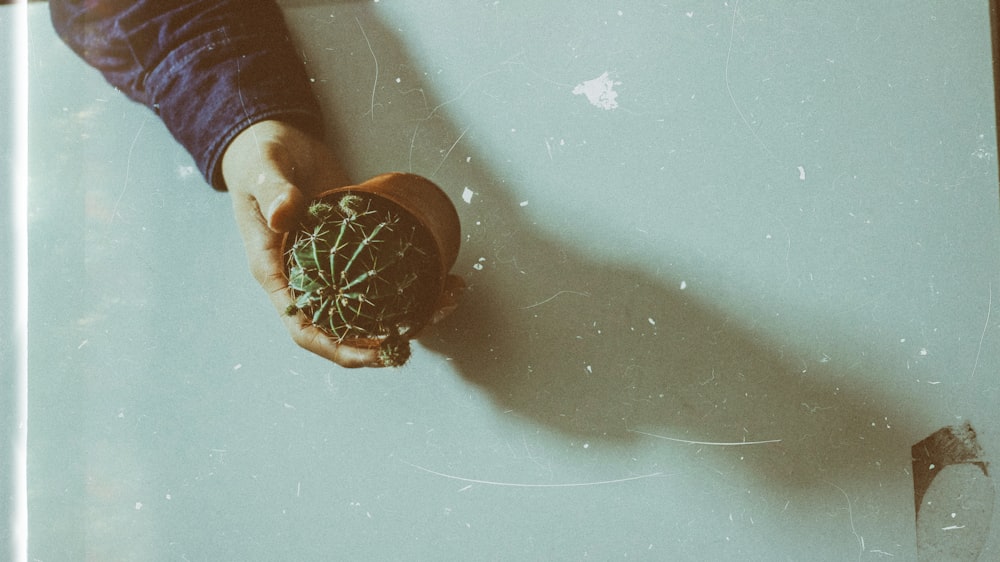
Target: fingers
312	339
279	200
263	248
263	245
260	176
272	170
282	204
271	277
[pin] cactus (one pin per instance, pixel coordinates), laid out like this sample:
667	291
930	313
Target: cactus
359	267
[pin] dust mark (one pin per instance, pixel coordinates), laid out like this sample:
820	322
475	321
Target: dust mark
600	92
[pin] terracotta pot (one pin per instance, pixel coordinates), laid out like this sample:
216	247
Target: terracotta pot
433	212
426	202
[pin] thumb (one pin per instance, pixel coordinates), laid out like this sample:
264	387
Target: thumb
281	204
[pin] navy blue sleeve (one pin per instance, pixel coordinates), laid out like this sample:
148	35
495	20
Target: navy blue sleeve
208	68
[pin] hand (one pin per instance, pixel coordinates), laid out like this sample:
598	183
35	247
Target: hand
272	170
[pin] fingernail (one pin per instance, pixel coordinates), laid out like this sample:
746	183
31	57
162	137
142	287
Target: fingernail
273	209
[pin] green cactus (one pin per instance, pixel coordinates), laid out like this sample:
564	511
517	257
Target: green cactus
360	268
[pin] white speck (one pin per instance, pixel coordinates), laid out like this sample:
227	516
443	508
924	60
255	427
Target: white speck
651	322
923	351
478	266
185	171
952	527
168	496
589	369
524	203
468	159
802	173
261	179
684	285
237	366
620	13
982	153
398	79
586	445
138	506
467	195
600	92
689	14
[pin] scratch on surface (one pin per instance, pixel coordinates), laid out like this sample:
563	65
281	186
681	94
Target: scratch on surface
986	326
372	51
529	485
850	517
128	167
714	443
460	94
412	142
554	296
729	89
246	113
448	153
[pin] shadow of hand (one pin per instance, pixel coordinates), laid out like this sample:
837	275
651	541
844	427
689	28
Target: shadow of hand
605	351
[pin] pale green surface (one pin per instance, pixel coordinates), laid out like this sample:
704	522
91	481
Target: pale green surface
657	268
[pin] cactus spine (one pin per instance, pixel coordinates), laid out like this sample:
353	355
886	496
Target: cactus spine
358	269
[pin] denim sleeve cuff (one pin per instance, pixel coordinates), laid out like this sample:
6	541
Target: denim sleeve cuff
214	86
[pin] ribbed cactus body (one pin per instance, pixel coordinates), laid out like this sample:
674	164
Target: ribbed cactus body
361	269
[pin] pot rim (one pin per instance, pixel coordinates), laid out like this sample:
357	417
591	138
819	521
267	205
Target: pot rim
430	207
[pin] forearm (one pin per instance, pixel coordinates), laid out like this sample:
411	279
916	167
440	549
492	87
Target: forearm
208	68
